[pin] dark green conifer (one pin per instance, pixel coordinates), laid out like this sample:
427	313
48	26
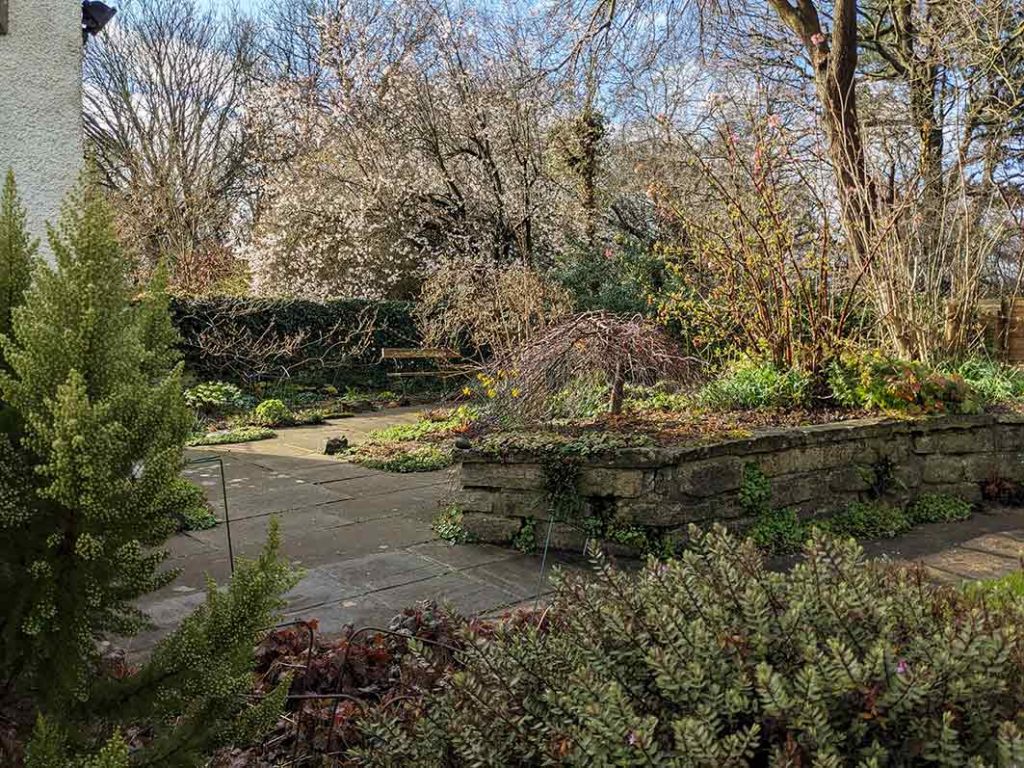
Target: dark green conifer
17	251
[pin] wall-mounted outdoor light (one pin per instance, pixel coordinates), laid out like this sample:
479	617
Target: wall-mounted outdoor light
95	16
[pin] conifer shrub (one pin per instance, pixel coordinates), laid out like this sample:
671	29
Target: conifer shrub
17	251
713	660
91	445
187	505
92	440
194	693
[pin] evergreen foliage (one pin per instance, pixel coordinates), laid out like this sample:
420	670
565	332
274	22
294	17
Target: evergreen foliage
92	440
17	251
192	696
193	693
712	660
49	749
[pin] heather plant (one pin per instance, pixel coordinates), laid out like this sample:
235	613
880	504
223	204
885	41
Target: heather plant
91	443
714	660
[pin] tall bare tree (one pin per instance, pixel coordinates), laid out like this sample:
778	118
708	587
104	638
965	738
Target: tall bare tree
165	88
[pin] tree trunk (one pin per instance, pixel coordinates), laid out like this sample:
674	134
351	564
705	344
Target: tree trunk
834	59
618	392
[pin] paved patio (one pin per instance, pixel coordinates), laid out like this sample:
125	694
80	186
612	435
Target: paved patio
363	537
365	542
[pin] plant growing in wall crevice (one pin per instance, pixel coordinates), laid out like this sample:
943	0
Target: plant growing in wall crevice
561	487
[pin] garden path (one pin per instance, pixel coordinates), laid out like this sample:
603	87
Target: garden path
362	537
365	542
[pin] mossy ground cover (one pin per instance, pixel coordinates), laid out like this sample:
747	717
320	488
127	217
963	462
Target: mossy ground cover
226	414
426	445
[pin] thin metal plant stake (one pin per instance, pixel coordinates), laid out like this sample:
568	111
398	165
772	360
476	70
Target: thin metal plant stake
224	494
543	563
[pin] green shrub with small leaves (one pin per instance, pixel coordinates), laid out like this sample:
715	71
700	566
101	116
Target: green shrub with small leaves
215	398
90	445
867	520
525	539
938	508
193	695
713	660
49	748
749	385
186	504
755	494
17	253
271	413
778	531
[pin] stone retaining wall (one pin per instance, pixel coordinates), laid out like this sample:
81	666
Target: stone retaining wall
814	469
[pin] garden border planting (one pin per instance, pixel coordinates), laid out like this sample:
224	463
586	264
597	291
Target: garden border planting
813	470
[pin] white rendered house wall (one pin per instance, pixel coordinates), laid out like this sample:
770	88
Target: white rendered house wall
41	103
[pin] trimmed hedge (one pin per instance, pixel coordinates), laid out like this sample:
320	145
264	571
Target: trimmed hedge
225	338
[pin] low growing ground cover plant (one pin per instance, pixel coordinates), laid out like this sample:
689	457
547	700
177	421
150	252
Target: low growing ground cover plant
709	660
422	446
781	531
449	527
398	458
236	435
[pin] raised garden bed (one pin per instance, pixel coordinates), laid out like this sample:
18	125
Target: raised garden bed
659	490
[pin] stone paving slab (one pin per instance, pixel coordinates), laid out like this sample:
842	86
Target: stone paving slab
970	565
1008	545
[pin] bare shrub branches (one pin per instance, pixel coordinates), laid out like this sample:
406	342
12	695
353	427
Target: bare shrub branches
489	307
622	349
232	348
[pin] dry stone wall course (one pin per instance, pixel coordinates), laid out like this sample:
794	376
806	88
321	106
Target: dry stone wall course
812	469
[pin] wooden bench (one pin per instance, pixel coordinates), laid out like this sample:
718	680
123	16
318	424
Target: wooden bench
417	353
